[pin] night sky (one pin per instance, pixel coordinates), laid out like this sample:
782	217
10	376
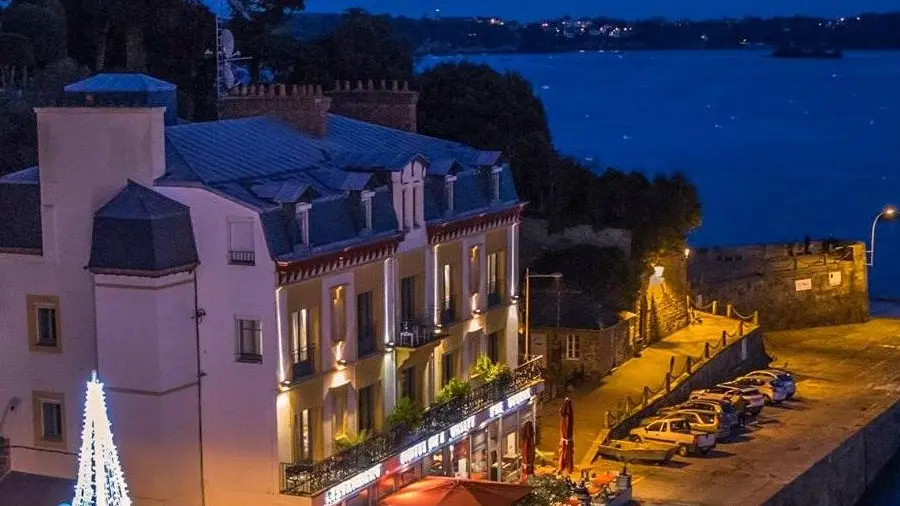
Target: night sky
528	10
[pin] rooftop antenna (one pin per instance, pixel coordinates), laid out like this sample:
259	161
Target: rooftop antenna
225	52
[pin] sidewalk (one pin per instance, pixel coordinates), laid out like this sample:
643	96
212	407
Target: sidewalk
591	402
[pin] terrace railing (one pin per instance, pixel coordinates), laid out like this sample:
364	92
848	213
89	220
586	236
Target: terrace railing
308	480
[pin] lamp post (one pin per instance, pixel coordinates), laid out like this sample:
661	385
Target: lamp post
888	212
528	275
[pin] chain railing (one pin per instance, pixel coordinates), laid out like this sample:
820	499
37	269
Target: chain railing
308	479
628	406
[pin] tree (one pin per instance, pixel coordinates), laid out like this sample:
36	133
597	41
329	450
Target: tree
42	24
606	274
100	477
363	47
16	51
254	23
549	490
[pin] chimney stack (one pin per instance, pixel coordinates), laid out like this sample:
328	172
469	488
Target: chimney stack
393	106
302	106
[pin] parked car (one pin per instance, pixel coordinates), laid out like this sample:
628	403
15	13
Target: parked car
755	400
676	431
704	421
716	407
773	390
790	382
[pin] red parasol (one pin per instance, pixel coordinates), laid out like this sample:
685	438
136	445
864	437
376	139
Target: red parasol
434	491
566	430
526	446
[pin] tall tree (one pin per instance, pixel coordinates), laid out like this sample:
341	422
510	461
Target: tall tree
363	46
255	24
43	22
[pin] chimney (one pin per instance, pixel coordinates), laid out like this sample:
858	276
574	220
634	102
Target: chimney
392	105
303	106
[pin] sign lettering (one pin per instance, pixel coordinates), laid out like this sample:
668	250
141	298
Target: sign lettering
518	399
338	492
462	427
413	452
496	410
435	441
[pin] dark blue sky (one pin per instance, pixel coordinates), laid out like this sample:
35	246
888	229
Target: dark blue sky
534	9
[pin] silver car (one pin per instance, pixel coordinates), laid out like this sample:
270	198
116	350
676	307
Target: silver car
788	379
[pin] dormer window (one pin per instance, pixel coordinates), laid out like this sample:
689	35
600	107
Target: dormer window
448	193
302	215
495	184
367	210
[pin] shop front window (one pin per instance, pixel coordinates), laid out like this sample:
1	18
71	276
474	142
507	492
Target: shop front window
461	459
480	464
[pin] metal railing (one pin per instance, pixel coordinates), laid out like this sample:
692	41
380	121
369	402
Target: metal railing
242	257
416	332
306	480
303	362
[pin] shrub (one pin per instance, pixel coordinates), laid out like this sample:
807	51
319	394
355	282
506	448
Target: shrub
488	370
454	389
346	441
405	414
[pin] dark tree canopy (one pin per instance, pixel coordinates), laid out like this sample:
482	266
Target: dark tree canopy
16	51
606	274
363	47
41	22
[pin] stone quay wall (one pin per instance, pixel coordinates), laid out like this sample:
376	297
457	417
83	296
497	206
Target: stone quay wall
793	285
841	477
739	355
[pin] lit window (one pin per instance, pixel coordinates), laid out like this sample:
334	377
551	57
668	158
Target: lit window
474	269
304	442
573	347
249	340
338	314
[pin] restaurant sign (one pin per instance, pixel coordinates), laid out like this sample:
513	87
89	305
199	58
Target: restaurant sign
338	492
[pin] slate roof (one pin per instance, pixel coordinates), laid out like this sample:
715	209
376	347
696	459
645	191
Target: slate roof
142	232
577	310
20	209
119	82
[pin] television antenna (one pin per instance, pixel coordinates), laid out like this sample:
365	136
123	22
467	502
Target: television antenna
226	55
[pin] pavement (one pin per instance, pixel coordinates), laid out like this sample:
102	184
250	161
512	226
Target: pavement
847	375
591	402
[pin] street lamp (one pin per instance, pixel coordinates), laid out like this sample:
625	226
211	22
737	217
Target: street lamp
888	212
528	275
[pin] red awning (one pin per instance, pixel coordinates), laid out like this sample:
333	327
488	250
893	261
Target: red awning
436	491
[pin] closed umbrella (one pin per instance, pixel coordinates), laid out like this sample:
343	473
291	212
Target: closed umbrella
526	443
566	430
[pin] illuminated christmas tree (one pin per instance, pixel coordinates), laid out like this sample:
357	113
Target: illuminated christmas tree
100	478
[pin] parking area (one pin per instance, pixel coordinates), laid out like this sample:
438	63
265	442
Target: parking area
846	375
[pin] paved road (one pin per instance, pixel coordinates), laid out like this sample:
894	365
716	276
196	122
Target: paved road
847	376
591	403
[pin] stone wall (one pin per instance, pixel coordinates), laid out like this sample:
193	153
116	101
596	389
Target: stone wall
740	356
392	106
792	285
601	349
663	305
304	107
842	476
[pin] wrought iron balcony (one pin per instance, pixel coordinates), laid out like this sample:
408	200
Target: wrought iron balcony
416	332
303	362
242	258
305	480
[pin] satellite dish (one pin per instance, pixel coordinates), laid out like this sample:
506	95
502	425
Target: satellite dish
227	43
227	76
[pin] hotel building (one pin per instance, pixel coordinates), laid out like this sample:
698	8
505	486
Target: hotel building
256	292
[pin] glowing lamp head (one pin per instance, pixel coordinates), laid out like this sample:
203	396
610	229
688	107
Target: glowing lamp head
890	211
687	252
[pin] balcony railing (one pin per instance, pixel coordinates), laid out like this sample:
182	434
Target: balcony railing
242	257
306	480
366	344
304	362
416	332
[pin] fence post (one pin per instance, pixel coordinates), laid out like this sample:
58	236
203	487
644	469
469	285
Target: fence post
715	304
724	338
756	317
672	364
741	328
668	383
690	363
706	350
728	310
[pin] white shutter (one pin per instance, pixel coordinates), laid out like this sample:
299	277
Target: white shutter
241	235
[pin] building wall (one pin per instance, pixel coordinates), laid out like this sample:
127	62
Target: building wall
240	446
790	287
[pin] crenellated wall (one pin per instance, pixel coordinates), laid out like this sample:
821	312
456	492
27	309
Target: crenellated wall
792	285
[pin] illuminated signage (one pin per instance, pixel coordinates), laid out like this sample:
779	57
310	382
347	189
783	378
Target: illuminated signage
413	452
518	399
462	427
340	491
435	441
496	410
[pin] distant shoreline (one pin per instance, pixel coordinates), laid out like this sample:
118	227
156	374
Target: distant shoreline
758	49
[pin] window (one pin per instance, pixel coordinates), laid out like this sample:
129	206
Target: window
338	314
241	249
49	419
495	185
367	211
249	340
654	427
408	299
573	347
339	411
415	206
43	322
302	215
366	408
474	269
302	349
408	383
448	195
447	310
365	324
403	217
493	346
495	277
304	442
448	367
